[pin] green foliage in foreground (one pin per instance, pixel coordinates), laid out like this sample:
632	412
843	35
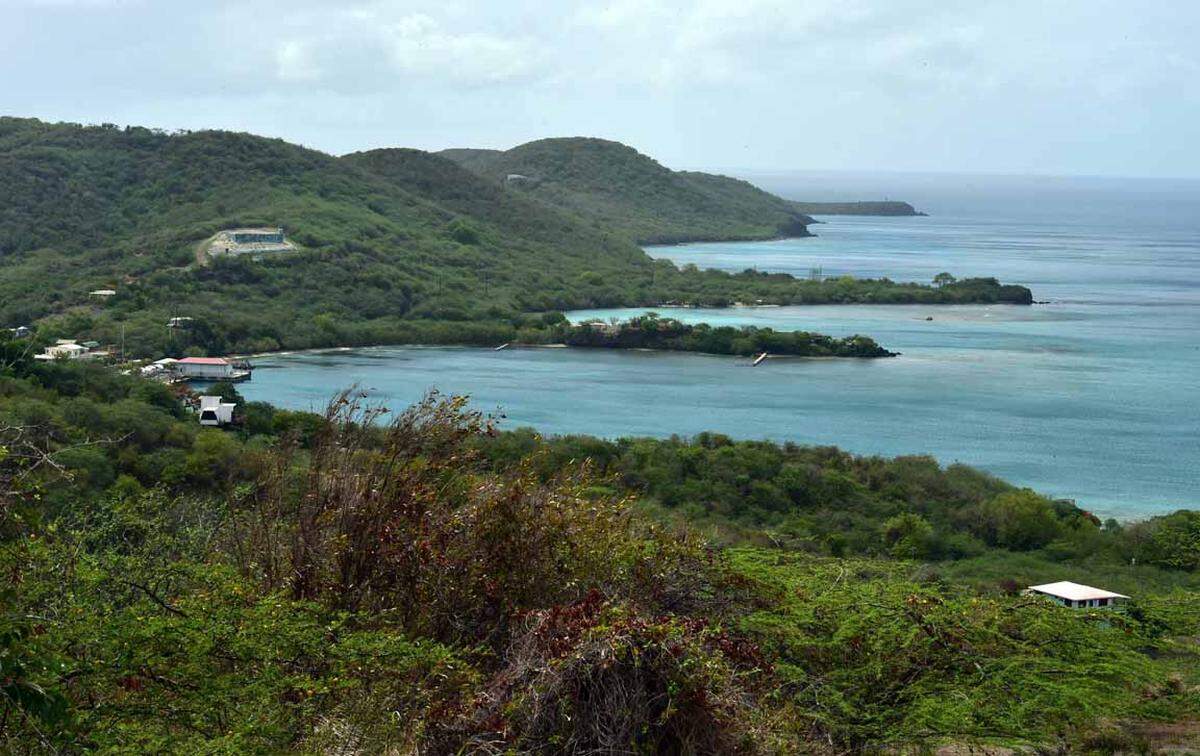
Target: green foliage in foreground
308	584
821	500
871	656
395	246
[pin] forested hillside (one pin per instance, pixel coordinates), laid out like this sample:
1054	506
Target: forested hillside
394	246
85	208
618	188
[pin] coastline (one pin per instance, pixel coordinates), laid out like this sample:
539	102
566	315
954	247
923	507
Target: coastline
519	345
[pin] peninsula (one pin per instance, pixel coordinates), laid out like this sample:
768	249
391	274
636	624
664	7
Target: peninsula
885	208
652	331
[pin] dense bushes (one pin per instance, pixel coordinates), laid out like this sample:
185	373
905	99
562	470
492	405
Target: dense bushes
822	500
1172	540
427	584
870	656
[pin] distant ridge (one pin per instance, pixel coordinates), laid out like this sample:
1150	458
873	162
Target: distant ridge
858	208
618	188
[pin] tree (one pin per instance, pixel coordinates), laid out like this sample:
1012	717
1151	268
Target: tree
463	232
227	391
1171	540
1018	520
16	355
908	536
942	279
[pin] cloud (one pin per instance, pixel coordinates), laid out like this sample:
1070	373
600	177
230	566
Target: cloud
940	83
375	45
729	42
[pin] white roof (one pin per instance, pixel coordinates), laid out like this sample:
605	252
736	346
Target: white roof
1074	591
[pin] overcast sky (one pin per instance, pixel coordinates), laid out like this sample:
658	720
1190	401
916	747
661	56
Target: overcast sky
1015	86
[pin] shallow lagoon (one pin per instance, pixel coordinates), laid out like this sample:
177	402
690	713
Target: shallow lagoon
1092	396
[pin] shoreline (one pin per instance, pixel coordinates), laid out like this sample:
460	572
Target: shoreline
517	345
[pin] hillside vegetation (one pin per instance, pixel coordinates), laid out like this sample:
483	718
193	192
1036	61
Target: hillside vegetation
394	246
84	208
618	188
423	583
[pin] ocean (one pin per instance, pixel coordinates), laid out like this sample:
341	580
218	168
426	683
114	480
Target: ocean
1091	396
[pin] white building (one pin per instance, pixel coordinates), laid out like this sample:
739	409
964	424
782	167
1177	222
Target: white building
63	350
205	368
1078	596
213	411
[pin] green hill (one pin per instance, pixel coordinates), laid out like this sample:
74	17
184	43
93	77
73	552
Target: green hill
619	188
470	158
83	208
392	246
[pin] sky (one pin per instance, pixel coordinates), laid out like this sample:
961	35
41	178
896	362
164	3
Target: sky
1067	87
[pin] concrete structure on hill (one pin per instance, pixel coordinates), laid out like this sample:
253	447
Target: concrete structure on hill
250	241
1078	596
215	412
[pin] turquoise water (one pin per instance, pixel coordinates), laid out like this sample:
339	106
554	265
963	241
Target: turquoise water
1092	396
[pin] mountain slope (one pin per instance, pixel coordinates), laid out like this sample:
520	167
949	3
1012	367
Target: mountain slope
471	158
392	246
87	208
617	187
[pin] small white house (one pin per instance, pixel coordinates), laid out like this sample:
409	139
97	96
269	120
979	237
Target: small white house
205	368
63	350
1078	596
213	411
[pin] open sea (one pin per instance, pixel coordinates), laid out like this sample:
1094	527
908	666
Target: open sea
1094	396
